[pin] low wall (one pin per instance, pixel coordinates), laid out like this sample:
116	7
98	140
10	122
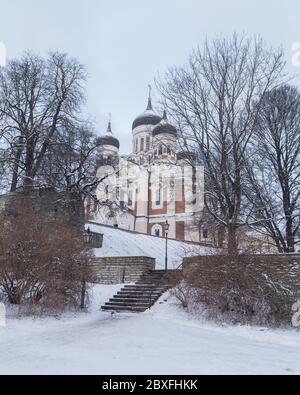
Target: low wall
259	289
269	261
119	270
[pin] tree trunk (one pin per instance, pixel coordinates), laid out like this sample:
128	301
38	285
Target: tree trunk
290	240
29	161
14	181
83	292
220	236
232	240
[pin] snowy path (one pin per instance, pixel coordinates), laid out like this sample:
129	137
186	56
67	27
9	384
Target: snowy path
160	341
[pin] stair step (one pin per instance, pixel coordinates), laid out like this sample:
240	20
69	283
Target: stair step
139	290
131	302
142	291
142	287
123	308
147	282
145	290
127	300
130	298
130	305
132	295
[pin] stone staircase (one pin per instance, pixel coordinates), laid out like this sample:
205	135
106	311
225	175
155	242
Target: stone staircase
144	293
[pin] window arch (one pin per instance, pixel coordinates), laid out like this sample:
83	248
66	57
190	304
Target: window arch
156	230
142	144
147	143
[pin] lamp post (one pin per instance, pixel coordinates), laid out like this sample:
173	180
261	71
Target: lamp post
87	235
167	227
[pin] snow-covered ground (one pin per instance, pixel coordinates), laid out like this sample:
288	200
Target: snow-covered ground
120	243
163	340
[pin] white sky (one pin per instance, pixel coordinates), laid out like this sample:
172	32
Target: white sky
125	43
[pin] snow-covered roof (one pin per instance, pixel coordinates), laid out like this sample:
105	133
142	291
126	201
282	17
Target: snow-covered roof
117	242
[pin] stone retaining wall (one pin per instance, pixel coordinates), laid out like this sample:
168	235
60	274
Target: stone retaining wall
272	262
119	270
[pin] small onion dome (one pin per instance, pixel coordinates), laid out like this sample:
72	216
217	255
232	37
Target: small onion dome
164	127
185	155
108	138
148	117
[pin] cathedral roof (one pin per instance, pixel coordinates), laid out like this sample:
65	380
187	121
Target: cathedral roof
164	127
148	117
108	138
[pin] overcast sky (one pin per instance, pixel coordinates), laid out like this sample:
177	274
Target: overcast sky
125	43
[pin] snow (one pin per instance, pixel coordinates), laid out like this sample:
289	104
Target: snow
163	340
117	242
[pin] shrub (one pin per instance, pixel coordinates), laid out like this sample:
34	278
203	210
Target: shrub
246	289
43	262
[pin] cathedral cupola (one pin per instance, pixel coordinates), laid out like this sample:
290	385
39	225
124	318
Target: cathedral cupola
148	117
164	138
142	129
164	127
107	144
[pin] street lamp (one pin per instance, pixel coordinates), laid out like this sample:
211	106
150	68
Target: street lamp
87	235
167	227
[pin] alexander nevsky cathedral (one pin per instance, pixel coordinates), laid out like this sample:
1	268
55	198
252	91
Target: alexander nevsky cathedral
155	183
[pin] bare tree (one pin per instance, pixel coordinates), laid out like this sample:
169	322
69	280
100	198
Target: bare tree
37	96
70	165
215	100
43	138
274	169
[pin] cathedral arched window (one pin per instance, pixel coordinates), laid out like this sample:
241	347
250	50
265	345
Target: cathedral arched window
142	144
147	143
160	150
136	145
130	198
158	197
158	192
194	181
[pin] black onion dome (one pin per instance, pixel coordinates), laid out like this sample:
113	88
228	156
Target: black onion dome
148	117
164	127
108	138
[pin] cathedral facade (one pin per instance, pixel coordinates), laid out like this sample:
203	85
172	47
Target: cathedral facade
155	183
